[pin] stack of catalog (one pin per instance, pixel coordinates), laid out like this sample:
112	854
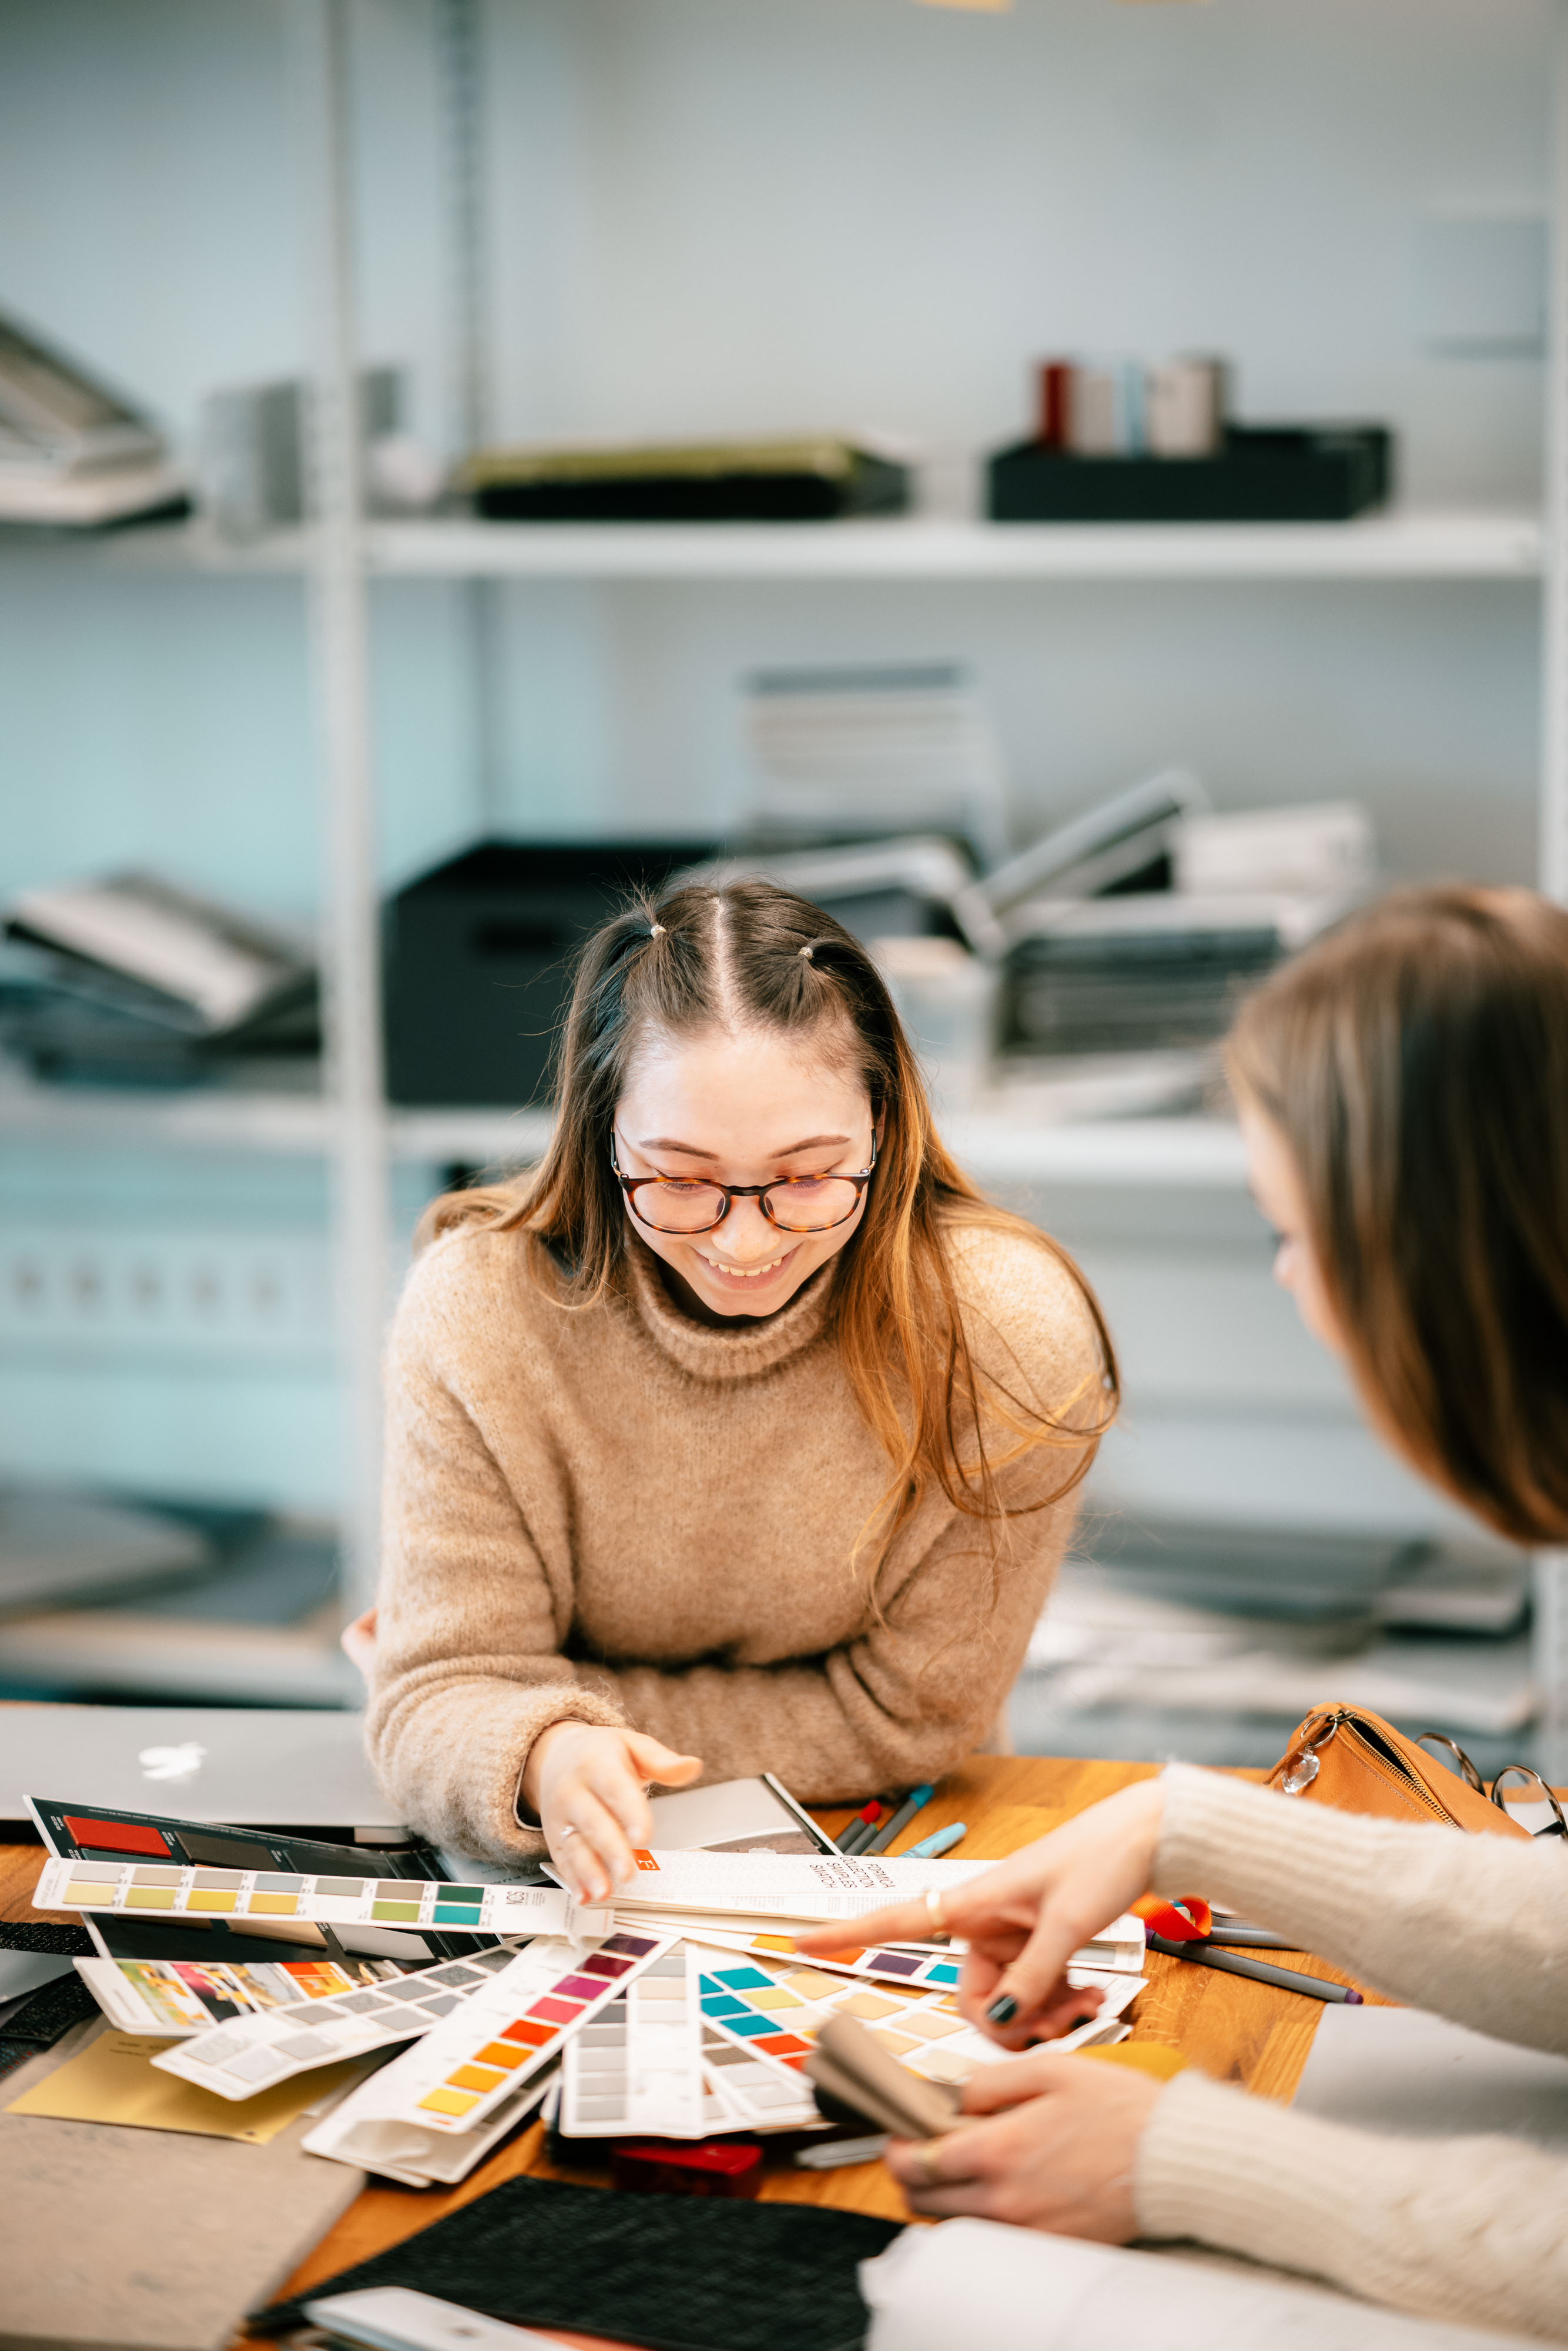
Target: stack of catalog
456	2009
73	452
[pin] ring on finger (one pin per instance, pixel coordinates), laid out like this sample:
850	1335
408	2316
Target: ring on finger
927	2155
562	1834
934	1910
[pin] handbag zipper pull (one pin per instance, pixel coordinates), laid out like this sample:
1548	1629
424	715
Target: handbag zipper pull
1300	1766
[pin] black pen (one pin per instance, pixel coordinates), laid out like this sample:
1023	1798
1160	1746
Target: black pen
1229	1963
1242	1932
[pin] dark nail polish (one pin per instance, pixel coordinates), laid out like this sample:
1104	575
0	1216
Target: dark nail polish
1002	2010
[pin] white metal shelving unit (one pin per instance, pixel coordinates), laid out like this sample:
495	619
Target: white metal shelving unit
342	552
1402	544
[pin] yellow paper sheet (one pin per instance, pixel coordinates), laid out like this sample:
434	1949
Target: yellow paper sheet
113	2081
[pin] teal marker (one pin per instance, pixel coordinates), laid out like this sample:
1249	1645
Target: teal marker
941	1842
898	1821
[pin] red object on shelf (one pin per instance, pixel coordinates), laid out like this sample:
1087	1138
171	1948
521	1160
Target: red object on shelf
672	2167
1054	428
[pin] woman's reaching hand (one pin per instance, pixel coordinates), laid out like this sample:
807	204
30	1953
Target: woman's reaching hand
588	1788
1023	1920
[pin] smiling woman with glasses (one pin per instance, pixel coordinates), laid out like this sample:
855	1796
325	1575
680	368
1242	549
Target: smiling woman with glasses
742	1434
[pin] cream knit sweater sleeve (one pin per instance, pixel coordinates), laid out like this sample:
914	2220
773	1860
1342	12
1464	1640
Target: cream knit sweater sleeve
1473	1928
471	1629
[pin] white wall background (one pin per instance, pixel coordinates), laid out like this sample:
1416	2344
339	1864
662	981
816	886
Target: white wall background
714	215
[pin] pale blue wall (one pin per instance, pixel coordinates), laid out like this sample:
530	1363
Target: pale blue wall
729	214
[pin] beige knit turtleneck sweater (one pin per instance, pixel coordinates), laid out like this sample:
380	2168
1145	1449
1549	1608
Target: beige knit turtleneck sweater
614	1514
1471	2230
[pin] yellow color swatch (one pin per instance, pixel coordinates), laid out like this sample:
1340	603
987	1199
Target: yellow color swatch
87	1894
112	2080
448	2102
785	1943
285	1905
1155	2057
211	1898
930	2023
505	2054
475	2077
895	2043
776	1998
813	1984
151	1897
868	2004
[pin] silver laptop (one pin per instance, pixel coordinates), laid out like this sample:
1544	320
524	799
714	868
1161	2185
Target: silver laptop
253	1766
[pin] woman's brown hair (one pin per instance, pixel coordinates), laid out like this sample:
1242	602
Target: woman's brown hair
697	959
1416	1064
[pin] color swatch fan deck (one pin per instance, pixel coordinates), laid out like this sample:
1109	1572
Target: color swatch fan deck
682	2011
144	1888
253	2053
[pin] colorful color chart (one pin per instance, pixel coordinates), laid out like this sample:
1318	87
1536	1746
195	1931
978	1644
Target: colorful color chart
777	2010
455	2078
637	2066
184	1996
255	2052
758	2094
143	1889
932	1969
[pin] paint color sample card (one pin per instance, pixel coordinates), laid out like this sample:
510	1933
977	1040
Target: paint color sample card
255	2052
757	2093
638	2066
933	1969
113	2079
1119	1951
778	2009
819	1886
362	2132
181	1997
143	1889
107	1832
474	2061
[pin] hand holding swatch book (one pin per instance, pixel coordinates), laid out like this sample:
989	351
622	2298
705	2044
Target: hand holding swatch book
683	2011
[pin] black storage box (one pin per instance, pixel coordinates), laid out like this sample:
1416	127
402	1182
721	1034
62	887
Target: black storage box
788	482
1264	474
479	961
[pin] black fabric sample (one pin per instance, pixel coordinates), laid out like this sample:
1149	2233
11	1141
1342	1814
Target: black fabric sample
60	1942
703	2273
51	2011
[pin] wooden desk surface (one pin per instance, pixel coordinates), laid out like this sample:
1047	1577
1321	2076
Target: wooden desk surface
1235	2030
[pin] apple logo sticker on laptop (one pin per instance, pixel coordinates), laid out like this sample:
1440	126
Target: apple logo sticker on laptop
172	1762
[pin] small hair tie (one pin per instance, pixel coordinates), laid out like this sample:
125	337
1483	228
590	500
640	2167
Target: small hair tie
658	932
806	956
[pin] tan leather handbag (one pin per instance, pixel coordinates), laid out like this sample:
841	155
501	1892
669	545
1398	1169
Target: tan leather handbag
1343	1755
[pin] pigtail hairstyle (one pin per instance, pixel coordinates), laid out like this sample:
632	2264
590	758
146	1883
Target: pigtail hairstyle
750	955
1415	1065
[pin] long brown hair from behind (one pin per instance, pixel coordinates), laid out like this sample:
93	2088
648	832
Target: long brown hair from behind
751	956
1415	1065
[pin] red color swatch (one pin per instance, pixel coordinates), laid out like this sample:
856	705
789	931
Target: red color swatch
119	1836
536	2036
559	2011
